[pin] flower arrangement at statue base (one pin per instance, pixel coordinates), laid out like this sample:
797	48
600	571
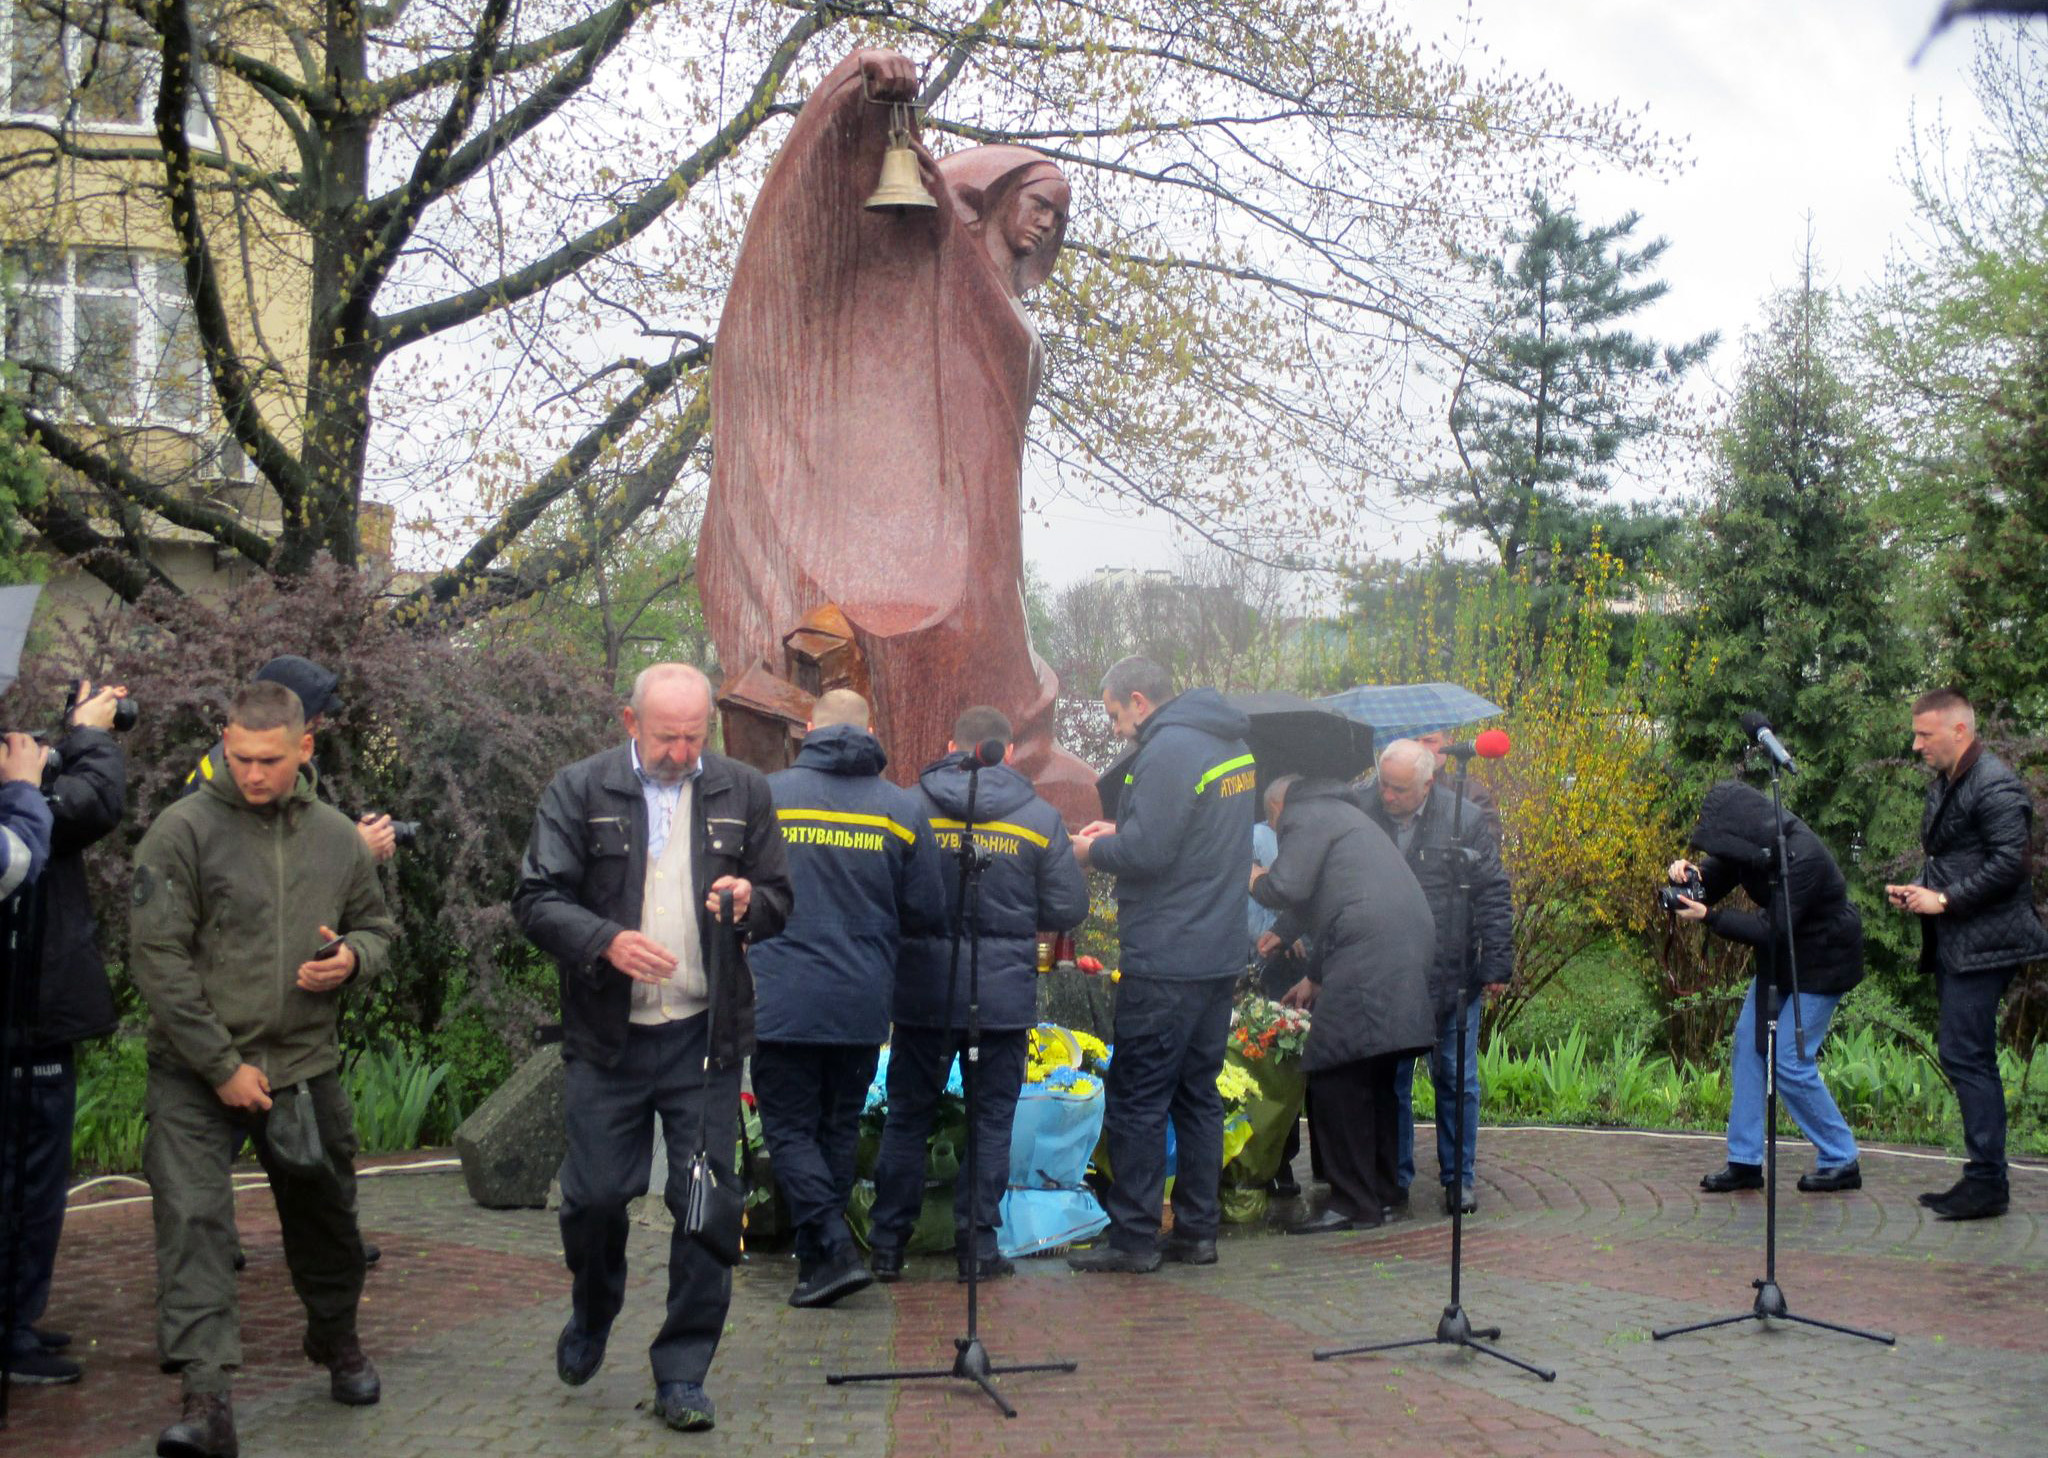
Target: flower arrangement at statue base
1262	1059
1058	1120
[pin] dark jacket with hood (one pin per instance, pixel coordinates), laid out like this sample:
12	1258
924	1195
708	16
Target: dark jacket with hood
1433	855
73	999
1032	884
1182	851
584	880
1737	832
866	875
1978	831
1370	927
228	900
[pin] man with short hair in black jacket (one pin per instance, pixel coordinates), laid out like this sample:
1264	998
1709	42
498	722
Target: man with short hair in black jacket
1978	926
1411	803
631	853
866	875
1181	852
1031	884
1738	831
71	1003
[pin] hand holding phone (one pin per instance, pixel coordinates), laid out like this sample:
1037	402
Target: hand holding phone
333	964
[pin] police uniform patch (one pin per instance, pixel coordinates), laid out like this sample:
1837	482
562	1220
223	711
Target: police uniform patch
145	885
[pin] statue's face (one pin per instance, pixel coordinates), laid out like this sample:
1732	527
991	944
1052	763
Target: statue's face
1035	215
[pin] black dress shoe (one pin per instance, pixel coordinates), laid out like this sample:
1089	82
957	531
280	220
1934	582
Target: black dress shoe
840	1274
1283	1185
887	1264
578	1354
1330	1222
992	1268
1400	1200
372	1253
206	1430
1931	1198
351	1379
1192	1251
241	1259
50	1339
1109	1258
1842	1177
1733	1176
39	1366
1460	1197
1977	1200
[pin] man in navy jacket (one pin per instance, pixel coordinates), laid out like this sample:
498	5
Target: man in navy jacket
866	874
1031	884
1181	852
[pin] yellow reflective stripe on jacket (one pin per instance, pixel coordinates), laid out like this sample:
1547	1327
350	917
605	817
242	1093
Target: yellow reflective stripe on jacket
998	827
1243	761
851	817
205	769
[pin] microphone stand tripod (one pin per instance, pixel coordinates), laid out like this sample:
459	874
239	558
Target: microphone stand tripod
1770	1299
1454	1328
970	1358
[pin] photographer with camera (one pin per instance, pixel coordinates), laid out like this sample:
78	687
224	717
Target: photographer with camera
70	1002
1737	831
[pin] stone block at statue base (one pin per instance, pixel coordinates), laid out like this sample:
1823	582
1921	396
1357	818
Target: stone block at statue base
512	1146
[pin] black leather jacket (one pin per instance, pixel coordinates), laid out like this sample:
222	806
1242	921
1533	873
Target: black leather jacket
1433	856
73	999
585	870
1977	831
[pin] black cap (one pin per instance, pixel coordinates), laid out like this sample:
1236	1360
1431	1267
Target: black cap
313	684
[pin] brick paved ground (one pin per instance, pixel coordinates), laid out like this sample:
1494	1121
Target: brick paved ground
1585	1241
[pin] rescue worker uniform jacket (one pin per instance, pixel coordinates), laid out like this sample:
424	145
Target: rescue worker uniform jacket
866	875
1032	884
228	899
584	880
1182	852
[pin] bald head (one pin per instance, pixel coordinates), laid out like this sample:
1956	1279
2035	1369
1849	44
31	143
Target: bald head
669	718
839	706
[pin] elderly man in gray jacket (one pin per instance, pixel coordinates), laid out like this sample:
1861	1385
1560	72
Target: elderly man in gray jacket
1373	940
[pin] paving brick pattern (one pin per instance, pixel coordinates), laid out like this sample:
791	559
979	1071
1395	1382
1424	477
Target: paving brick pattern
1584	1243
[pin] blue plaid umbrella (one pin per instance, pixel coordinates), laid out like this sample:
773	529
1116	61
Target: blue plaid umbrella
1402	710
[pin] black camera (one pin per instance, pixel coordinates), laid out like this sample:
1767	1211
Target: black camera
126	711
1693	886
405	832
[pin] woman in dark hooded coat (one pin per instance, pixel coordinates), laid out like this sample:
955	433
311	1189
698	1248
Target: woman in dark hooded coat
1737	831
1373	942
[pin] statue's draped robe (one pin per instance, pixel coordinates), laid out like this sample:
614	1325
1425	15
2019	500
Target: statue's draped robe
870	388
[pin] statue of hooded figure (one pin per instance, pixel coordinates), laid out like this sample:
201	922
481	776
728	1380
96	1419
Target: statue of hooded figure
870	390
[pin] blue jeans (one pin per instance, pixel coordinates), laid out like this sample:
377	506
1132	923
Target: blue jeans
1806	1098
1443	1072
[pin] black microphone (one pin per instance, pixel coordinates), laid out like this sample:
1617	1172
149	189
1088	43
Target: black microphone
1758	728
989	752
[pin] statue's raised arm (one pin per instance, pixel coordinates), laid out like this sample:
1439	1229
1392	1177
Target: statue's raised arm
871	383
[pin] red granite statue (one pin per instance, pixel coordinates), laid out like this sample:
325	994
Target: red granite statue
869	393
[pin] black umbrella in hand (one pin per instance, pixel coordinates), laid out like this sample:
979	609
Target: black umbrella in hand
1288	736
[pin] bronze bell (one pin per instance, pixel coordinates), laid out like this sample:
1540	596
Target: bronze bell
902	186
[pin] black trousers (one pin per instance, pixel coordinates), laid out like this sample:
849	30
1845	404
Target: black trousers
919	1060
810	1096
1170	1036
1354	1115
1966	1039
609	1114
46	1105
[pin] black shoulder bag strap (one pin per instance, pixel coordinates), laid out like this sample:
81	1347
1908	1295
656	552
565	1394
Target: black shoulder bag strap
714	1209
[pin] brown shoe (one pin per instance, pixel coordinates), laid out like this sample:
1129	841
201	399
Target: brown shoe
351	1379
206	1430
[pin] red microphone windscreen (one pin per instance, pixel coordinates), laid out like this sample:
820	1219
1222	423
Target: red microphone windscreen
1492	744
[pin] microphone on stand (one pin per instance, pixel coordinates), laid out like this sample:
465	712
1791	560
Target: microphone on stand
1758	728
1492	744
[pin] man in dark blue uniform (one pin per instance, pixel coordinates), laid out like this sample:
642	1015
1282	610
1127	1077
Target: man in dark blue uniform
1032	884
866	873
1181	850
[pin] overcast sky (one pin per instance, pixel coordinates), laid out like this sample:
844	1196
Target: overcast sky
1789	108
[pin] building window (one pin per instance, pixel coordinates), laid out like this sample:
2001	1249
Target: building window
117	324
77	65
